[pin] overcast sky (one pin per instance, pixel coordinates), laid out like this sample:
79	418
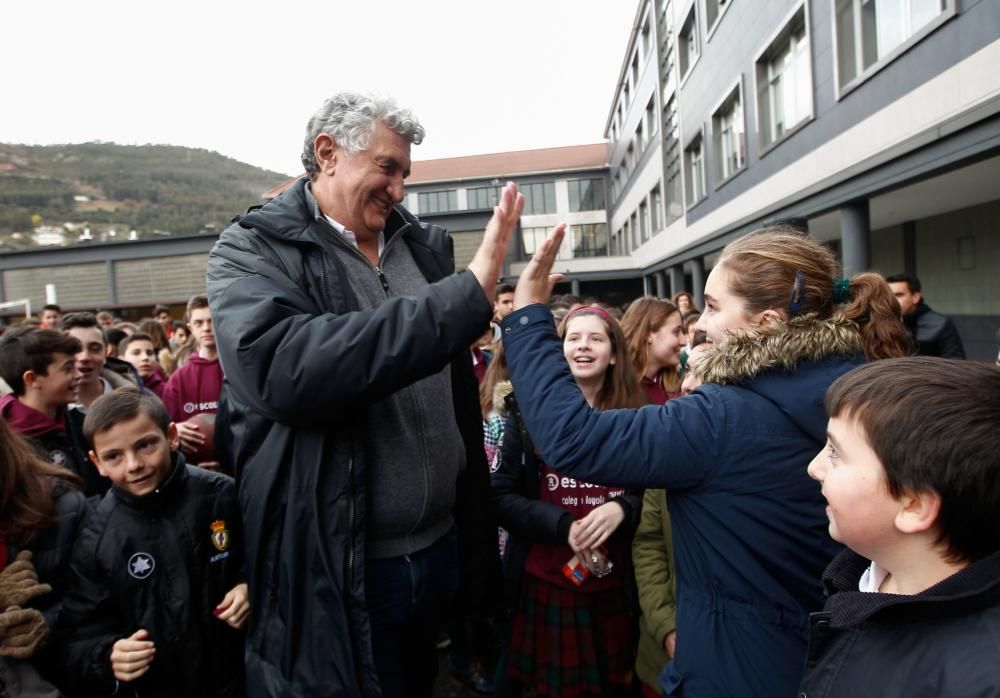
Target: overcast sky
242	78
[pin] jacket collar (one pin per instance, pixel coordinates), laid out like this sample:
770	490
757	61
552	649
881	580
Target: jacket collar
168	491
295	216
746	354
848	606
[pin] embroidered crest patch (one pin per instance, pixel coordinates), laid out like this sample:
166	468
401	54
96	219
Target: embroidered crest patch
220	536
141	565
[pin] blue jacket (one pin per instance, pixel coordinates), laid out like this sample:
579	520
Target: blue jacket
750	532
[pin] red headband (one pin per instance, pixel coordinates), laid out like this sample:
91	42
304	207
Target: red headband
592	308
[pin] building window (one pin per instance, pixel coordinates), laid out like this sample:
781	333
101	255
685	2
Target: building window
626	238
694	160
483	197
643	222
586	194
635	229
532	238
654	209
729	135
687	43
784	81
869	30
651	118
635	68
674	194
590	240
645	37
539	198
713	11
437	201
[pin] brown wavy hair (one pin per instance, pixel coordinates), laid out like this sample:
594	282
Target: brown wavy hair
496	372
644	316
764	266
621	387
26	482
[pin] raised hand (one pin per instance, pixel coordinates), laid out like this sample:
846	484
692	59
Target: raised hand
537	280
488	260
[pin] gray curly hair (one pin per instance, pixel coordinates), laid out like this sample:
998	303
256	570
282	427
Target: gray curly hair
350	118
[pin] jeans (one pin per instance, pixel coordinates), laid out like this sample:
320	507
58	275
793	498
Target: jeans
407	600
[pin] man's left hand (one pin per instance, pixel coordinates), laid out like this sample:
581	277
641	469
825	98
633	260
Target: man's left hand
488	261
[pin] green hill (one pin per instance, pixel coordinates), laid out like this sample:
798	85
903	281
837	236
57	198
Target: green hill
103	186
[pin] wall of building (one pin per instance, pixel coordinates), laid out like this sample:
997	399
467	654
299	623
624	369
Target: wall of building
76	284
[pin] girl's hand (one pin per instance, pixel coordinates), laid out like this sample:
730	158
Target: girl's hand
536	281
596	527
235	607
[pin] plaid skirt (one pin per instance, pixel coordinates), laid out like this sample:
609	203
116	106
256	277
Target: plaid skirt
566	644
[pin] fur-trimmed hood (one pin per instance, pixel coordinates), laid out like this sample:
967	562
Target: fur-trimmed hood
745	354
790	365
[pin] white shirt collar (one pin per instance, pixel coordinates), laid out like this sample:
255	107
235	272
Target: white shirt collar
872	579
352	238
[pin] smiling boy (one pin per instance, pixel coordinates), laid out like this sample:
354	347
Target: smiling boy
912	479
157	597
39	366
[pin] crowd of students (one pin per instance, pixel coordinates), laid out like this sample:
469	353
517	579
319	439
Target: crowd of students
121	559
674	489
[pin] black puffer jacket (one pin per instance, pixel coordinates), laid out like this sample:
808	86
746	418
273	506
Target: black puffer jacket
302	364
941	642
161	562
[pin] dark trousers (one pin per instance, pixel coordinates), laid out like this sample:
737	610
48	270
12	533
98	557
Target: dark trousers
407	599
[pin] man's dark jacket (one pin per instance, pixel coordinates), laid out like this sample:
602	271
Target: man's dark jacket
162	562
302	364
943	641
933	334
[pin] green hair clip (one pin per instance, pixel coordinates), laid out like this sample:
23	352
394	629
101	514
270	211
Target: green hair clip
841	290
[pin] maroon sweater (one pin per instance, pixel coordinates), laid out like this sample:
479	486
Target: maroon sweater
193	388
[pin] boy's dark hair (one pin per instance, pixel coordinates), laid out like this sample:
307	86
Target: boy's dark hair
195	303
120	405
134	337
933	423
160	309
912	282
52	306
31	349
113	336
501	289
72	320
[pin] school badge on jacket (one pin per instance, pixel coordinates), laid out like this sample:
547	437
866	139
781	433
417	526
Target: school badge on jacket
220	536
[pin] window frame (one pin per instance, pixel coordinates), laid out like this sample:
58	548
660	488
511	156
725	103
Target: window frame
737	88
766	55
681	45
710	31
690	200
841	91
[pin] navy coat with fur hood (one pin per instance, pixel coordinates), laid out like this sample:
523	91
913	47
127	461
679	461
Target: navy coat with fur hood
749	525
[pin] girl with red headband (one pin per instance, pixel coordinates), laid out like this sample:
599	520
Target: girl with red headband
567	562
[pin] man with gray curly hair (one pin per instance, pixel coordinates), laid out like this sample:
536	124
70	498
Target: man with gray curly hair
352	415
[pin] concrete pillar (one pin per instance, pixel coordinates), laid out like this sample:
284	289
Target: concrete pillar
854	238
574	287
109	267
676	280
698	281
661	284
909	247
646	284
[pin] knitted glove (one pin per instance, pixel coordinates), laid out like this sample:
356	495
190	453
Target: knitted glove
21	631
19	582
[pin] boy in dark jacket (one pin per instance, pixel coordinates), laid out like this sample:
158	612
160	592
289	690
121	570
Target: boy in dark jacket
911	475
157	598
39	366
